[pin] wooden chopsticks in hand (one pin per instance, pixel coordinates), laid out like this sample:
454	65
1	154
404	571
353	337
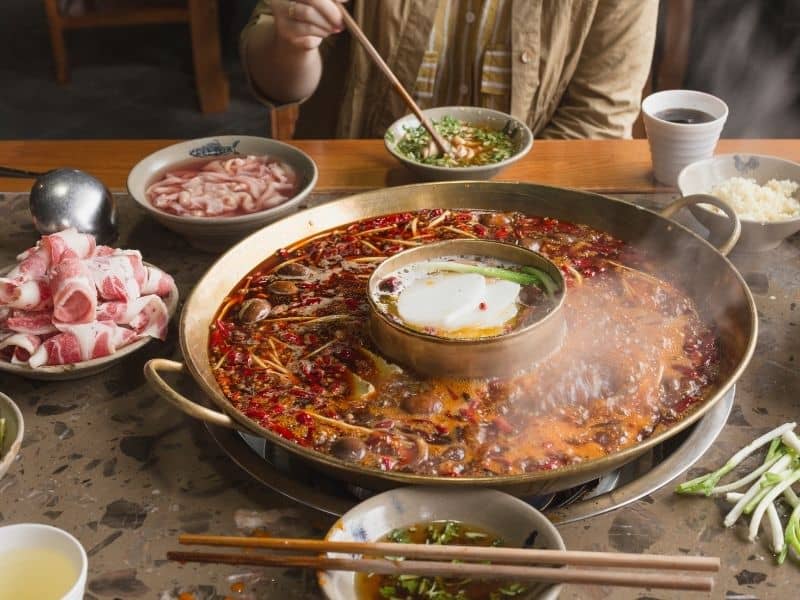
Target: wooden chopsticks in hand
355	30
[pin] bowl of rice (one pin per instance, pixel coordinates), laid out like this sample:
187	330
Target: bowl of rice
764	191
216	191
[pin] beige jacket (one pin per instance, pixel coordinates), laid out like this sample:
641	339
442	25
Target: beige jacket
578	66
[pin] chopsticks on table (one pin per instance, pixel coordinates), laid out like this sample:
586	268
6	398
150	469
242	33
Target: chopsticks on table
441	143
579	567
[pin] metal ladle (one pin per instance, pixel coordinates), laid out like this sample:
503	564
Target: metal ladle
64	198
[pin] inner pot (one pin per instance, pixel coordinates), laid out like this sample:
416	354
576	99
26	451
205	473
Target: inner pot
496	356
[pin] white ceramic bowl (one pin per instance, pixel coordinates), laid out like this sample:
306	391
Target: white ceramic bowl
217	233
33	535
482	117
699	177
84	368
15	429
509	517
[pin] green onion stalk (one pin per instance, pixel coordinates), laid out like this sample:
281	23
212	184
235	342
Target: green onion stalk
705	484
528	275
769	482
791	535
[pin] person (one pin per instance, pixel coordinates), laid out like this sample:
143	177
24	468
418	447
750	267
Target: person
568	68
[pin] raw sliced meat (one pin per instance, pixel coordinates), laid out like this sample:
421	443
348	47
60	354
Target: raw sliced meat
118	276
20	346
68	244
74	294
152	319
147	315
82	342
33	264
104	251
33	294
39	322
235	186
158	282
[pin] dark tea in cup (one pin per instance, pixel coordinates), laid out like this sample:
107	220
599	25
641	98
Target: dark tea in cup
684	116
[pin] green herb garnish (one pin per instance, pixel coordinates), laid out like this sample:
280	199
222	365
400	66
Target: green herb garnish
443	533
529	275
494	146
399	536
418	587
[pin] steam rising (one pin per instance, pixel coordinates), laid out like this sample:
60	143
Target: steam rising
743	53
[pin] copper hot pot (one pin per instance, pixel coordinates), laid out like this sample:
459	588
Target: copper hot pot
721	295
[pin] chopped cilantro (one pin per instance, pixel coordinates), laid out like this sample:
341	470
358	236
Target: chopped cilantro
410	583
494	146
513	589
399	536
443	533
417	587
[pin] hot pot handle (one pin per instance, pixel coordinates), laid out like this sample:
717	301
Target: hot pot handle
736	227
180	402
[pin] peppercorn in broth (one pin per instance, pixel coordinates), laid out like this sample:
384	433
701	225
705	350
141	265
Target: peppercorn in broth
291	350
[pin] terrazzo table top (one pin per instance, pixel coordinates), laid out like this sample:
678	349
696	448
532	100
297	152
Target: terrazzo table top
107	460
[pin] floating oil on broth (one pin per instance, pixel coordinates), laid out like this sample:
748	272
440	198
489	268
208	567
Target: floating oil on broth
35	574
291	350
412	587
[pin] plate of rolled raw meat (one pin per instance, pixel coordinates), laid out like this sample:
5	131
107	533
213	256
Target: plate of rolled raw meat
71	308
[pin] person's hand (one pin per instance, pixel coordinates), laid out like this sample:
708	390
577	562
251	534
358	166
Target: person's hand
305	23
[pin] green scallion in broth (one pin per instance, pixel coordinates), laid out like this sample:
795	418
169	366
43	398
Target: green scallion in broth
371	586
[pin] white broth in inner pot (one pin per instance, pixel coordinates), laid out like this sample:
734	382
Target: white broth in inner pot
466	297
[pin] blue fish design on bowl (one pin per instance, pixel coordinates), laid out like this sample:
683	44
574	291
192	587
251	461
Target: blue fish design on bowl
743	166
214	149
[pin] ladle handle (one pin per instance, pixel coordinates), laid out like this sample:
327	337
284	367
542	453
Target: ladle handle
736	225
18	173
151	373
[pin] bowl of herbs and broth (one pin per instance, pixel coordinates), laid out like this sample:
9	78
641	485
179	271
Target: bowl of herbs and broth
472	517
483	143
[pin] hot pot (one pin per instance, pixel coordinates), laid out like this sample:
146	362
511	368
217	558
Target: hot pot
721	295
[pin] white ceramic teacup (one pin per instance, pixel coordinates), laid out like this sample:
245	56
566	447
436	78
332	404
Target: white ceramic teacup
26	537
675	145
